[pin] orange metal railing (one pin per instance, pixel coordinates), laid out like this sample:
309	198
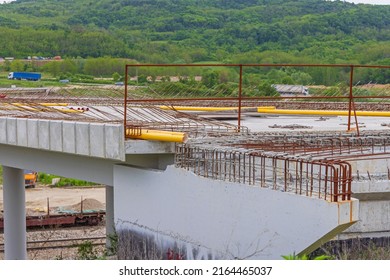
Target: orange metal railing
243	73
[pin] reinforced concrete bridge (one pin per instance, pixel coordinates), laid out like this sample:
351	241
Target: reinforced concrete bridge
188	184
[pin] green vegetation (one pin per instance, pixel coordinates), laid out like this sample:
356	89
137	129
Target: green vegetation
356	249
86	250
306	258
97	38
75	70
162	31
47	179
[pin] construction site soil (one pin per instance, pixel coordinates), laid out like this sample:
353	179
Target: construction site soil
60	199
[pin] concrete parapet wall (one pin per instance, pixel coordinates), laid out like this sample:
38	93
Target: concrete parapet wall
191	217
371	186
374	220
87	139
374	210
149	147
371	167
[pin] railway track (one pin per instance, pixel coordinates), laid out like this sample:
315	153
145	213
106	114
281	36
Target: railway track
61	243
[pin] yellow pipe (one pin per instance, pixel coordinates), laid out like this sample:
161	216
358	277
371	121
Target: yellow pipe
42	104
68	111
208	109
54	104
30	109
323	112
131	131
26	107
158	135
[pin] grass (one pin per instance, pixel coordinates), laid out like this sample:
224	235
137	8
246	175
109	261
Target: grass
91	91
47	81
357	249
47	179
44	82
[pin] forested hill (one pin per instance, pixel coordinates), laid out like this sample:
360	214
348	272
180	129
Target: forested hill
162	31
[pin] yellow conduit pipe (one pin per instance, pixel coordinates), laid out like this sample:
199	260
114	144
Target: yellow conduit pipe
23	107
69	111
54	104
323	112
26	107
42	104
209	109
157	135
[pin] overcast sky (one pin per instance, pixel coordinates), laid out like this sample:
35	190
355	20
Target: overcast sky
383	2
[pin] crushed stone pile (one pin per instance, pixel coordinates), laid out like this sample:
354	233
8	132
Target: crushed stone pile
88	205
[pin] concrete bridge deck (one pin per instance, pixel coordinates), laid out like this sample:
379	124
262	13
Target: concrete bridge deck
170	208
255	186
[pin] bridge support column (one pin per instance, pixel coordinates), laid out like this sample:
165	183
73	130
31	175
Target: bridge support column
110	225
15	241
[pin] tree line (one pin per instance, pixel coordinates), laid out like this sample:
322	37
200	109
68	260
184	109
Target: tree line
190	31
79	68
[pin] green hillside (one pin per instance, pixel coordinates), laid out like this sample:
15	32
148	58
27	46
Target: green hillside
162	31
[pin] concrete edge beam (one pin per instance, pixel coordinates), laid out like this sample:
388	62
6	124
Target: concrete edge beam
21	132
97	139
69	134
32	134
56	137
11	131
3	128
149	147
88	139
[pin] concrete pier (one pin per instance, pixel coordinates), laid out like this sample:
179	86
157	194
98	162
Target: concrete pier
110	223
15	245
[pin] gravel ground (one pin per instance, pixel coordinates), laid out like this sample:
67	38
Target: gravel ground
60	233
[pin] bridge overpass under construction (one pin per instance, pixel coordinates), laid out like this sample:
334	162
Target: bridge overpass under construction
218	183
